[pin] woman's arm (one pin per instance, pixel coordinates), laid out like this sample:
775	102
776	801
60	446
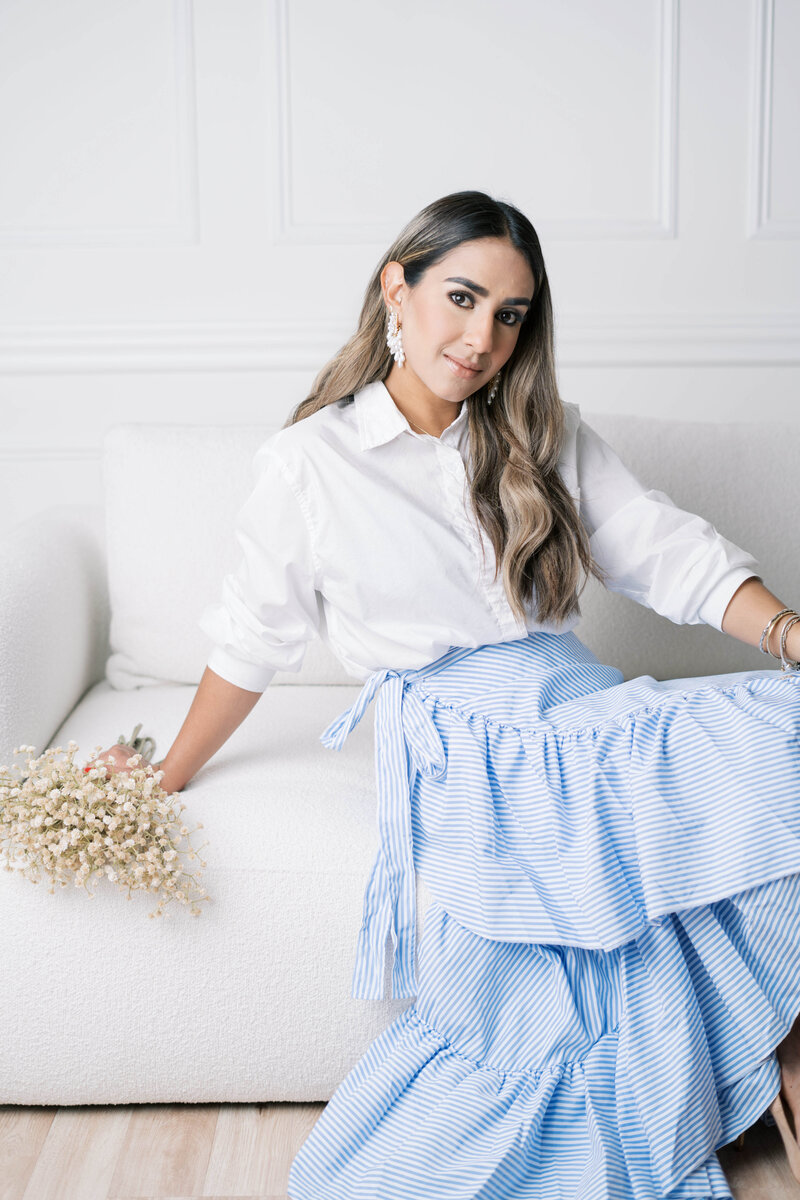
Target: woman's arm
217	710
664	557
750	610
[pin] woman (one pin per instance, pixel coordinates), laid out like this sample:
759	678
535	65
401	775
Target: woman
610	961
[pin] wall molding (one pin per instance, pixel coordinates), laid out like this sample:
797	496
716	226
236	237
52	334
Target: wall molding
168	346
185	230
662	225
581	340
35	452
704	339
761	224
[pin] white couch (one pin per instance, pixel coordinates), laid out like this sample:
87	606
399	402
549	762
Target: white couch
250	1001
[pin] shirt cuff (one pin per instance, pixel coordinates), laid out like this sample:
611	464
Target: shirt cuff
250	676
712	610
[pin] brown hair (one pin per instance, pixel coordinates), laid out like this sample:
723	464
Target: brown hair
517	494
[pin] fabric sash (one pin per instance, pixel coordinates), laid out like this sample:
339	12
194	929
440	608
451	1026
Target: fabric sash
406	742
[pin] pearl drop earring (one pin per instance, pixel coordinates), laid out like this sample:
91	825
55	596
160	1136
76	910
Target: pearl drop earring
394	339
495	387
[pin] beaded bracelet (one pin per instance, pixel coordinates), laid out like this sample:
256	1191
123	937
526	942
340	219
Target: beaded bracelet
788	664
765	636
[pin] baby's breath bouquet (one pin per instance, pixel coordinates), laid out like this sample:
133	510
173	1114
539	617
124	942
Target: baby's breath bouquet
72	823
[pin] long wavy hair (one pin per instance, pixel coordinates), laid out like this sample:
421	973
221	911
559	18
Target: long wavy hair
540	545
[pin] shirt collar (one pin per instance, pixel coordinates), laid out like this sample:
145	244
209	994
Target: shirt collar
380	420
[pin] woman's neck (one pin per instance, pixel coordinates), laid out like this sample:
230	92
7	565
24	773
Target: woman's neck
420	407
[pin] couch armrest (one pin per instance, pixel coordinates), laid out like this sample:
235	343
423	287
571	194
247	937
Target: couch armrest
53	622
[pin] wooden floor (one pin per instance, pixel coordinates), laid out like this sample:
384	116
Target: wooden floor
222	1151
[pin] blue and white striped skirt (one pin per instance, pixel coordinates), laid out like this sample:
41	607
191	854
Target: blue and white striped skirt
613	949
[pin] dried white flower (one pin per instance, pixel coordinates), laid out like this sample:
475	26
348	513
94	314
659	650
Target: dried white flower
52	817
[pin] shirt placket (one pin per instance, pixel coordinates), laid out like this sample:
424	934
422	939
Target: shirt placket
456	493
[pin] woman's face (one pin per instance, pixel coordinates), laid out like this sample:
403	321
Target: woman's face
461	322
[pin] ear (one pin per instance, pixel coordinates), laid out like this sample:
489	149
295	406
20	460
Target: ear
393	285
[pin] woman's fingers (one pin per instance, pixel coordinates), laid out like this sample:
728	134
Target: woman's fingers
118	756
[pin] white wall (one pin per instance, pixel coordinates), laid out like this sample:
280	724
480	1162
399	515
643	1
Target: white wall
194	192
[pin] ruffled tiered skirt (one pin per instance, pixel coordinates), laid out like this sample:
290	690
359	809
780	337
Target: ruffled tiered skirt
613	950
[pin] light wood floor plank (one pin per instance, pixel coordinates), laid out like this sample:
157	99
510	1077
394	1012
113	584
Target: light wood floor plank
760	1170
79	1154
229	1152
166	1151
254	1145
22	1134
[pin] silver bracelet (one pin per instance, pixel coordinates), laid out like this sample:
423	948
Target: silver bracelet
788	664
768	628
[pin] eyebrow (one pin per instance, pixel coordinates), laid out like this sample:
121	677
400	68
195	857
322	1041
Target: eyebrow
482	291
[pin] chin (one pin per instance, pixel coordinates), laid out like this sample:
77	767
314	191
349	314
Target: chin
466	390
458	389
450	389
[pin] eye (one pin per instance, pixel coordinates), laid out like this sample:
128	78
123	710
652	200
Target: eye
516	319
457	297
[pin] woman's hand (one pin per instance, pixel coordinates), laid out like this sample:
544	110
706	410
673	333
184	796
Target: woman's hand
119	755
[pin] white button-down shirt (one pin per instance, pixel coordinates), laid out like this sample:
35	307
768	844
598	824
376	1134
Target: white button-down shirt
360	530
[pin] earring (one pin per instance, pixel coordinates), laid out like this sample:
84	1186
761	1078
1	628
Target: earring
495	388
394	339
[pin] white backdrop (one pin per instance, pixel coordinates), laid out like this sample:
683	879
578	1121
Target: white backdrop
193	194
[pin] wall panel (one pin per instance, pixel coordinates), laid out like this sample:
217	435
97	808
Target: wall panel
193	196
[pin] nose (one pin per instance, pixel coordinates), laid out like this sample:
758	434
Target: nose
479	333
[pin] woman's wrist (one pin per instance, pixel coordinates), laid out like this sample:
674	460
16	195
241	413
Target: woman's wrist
792	646
171	781
757	616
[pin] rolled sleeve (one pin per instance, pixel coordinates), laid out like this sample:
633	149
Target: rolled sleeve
713	607
249	676
659	555
269	610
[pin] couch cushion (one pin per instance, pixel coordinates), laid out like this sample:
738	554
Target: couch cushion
743	478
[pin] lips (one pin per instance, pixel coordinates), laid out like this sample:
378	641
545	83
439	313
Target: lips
462	370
